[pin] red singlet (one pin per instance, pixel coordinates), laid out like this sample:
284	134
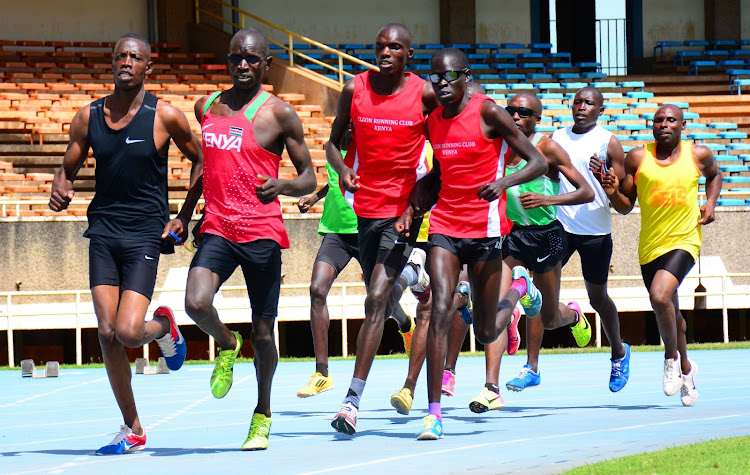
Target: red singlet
467	160
387	148
232	161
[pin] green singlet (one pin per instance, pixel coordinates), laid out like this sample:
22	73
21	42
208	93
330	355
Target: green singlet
338	217
543	185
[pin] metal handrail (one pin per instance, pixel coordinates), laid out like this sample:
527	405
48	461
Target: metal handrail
292	36
337	311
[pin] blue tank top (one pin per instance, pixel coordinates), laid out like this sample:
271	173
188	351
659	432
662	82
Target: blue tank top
131	176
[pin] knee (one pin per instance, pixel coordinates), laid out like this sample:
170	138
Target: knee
599	301
660	301
262	340
318	294
106	335
197	306
485	335
129	337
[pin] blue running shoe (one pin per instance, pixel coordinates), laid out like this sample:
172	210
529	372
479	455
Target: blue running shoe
125	441
466	312
172	345
620	371
532	301
432	428
526	379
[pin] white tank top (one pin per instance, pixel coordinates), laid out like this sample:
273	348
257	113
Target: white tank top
593	218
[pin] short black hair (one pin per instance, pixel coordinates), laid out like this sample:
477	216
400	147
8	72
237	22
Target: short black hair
137	37
453	53
597	93
250	31
404	33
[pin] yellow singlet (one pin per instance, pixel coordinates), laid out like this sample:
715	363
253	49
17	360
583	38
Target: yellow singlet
668	195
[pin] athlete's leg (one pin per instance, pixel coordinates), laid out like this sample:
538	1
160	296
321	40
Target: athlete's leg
323	276
554	314
265	360
493	352
668	318
202	285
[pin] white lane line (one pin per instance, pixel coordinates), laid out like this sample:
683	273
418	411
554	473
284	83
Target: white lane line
514	441
36	396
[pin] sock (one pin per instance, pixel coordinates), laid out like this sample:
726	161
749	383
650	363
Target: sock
519	285
434	410
322	368
578	318
356	388
410	274
411	385
451	370
493	387
401	318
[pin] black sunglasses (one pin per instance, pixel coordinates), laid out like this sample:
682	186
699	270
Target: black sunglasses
252	60
523	112
449	76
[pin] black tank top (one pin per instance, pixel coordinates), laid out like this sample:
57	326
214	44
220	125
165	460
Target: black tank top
131	176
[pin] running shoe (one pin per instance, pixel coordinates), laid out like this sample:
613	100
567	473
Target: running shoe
672	376
432	428
418	258
257	436
514	337
402	401
449	383
125	441
408	335
467	311
346	420
618	378
688	392
317	384
172	345
581	330
532	300
488	400
526	379
221	378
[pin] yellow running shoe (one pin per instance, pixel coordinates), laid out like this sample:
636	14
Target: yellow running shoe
318	384
407	335
402	401
221	378
582	329
257	436
487	400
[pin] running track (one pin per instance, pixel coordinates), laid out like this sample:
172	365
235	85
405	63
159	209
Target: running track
54	425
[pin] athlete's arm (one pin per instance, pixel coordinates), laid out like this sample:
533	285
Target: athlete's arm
422	197
622	193
558	159
496	122
306	202
615	161
347	177
429	99
710	169
178	128
293	137
75	154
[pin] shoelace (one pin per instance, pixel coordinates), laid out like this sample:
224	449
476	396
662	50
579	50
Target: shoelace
524	372
223	364
124	432
428	422
616	371
669	369
167	345
255	430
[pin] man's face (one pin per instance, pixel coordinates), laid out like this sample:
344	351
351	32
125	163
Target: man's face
391	51
668	125
130	63
247	61
448	80
586	108
524	112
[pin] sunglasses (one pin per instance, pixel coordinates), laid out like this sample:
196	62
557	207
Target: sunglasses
236	59
523	112
448	76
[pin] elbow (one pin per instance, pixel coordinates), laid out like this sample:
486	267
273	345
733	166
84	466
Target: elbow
588	195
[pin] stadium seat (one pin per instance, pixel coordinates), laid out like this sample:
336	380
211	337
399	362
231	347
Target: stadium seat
665	44
694	65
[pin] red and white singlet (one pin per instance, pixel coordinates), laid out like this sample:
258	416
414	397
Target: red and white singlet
232	161
467	160
387	149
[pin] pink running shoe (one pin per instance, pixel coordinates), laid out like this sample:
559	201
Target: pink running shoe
514	337
449	383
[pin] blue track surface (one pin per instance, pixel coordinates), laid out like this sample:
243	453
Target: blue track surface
54	425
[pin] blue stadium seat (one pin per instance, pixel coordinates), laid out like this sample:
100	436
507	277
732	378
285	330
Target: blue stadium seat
644	105
639	95
604	85
633	84
529	55
545	47
681	55
681	105
701	136
550	95
521	85
503	56
730	202
723	43
627	148
690	115
593	75
694	65
545	128
665	44
481	56
548	107
632	127
461	46
695	125
512	77
512	46
574	85
537	76
495	86
723	125
738	146
564	76
546	86
618	117
738	83
715	147
696	43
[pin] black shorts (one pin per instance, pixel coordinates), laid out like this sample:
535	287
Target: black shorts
260	262
677	262
338	249
469	249
540	248
379	244
595	253
130	264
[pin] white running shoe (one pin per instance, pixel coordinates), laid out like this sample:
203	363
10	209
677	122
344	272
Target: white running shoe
672	376
418	258
688	392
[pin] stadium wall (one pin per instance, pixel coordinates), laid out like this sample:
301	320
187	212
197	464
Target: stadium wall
673	20
72	20
48	254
